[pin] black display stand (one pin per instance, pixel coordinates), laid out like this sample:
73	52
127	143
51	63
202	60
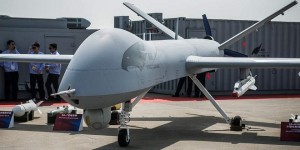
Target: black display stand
28	116
50	118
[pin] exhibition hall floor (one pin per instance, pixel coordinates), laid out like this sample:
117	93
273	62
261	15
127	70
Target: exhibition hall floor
165	122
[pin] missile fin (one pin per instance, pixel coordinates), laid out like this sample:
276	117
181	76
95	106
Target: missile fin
253	87
39	111
31	101
39	103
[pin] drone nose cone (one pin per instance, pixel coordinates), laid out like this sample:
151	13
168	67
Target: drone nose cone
234	94
97	63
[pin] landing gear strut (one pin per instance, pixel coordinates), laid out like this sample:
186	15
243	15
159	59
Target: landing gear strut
124	118
235	123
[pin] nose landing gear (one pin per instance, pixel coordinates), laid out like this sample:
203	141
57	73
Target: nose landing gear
124	118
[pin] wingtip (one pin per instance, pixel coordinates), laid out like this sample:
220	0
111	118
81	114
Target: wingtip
127	3
295	2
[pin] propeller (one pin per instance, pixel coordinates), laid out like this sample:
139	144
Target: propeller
256	50
209	36
233	53
207	28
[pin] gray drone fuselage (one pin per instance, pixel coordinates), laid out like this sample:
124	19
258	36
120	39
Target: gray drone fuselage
113	66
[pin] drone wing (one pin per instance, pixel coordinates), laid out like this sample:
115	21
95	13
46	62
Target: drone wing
195	63
64	59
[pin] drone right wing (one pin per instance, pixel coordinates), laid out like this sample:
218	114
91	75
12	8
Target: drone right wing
193	63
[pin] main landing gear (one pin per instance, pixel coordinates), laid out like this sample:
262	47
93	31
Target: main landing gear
235	123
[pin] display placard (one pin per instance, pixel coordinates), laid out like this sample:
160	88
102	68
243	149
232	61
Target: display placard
290	131
6	119
68	122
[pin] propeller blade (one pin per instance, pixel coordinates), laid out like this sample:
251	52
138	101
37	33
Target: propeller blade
232	53
227	52
206	26
257	49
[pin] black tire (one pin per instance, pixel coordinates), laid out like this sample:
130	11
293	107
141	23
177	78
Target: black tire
123	138
236	124
236	121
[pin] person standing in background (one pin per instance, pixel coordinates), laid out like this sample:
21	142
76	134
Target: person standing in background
11	73
53	71
36	74
179	86
201	78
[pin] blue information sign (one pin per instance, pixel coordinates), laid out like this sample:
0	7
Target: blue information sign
6	119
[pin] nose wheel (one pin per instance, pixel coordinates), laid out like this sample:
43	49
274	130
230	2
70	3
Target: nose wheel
123	137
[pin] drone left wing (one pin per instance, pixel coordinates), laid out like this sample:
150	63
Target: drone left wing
195	63
64	59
